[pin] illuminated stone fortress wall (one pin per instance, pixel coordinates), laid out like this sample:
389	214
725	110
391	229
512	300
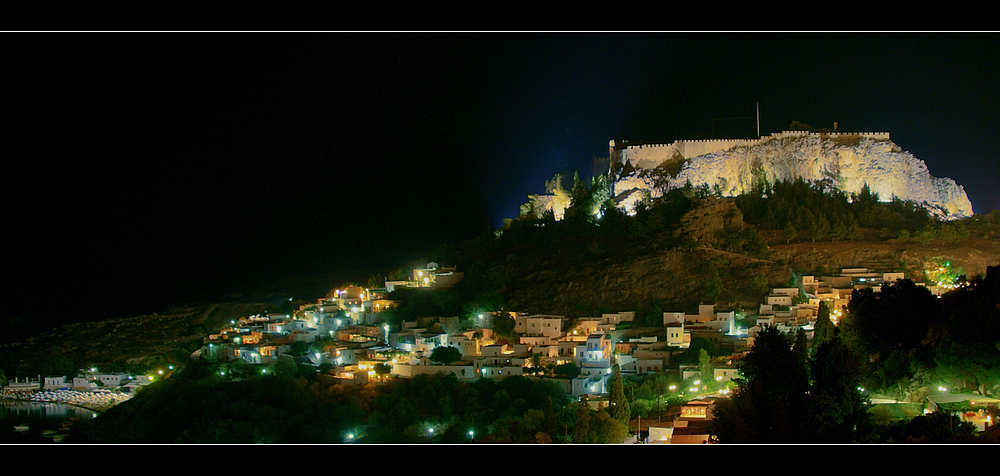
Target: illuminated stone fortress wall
649	156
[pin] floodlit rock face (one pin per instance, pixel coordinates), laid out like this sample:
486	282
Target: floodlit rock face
846	161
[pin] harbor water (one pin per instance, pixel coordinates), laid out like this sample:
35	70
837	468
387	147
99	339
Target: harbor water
37	422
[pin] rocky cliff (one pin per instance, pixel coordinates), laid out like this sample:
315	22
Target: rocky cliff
846	161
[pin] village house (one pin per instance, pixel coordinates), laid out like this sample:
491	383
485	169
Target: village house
690	426
676	335
137	383
724	375
642	355
539	325
360	334
471	342
56	383
84	383
581	328
417	339
464	370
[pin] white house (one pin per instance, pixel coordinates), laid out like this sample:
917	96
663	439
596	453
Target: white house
56	383
84	383
676	335
539	325
112	380
724	374
596	349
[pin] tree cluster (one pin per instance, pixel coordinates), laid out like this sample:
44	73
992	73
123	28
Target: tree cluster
912	340
198	405
901	340
819	211
784	395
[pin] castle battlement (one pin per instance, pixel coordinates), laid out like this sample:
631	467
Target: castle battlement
651	155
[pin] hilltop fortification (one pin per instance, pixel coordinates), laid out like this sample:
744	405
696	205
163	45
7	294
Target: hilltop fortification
845	160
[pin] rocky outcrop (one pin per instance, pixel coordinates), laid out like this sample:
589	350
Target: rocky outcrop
845	161
710	218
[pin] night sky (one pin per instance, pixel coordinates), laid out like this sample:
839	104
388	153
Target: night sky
148	169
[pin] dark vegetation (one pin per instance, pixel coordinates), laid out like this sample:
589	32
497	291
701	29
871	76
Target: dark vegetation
198	405
817	211
901	341
134	345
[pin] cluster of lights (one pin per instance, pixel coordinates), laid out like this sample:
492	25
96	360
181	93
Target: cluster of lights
944	276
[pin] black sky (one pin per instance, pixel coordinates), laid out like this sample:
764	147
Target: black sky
158	168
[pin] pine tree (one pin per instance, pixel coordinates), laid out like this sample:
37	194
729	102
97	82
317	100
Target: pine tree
790	232
550	418
620	409
823	330
705	366
581	425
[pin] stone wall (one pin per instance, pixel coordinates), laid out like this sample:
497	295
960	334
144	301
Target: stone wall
649	156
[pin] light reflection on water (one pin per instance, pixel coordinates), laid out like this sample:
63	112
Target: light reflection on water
38	417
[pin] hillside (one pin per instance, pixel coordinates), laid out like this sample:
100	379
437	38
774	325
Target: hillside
132	344
710	256
700	250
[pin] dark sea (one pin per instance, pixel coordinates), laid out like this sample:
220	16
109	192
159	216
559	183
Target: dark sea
38	417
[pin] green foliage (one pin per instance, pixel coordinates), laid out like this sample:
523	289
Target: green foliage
823	212
619	407
893	321
503	326
705	367
693	352
445	355
771	398
197	405
838	411
936	427
790	232
567	370
713	274
824	329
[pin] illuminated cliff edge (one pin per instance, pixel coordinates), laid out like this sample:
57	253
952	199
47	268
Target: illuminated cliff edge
846	161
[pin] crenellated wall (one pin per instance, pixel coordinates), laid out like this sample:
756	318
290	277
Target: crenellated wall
649	156
847	160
